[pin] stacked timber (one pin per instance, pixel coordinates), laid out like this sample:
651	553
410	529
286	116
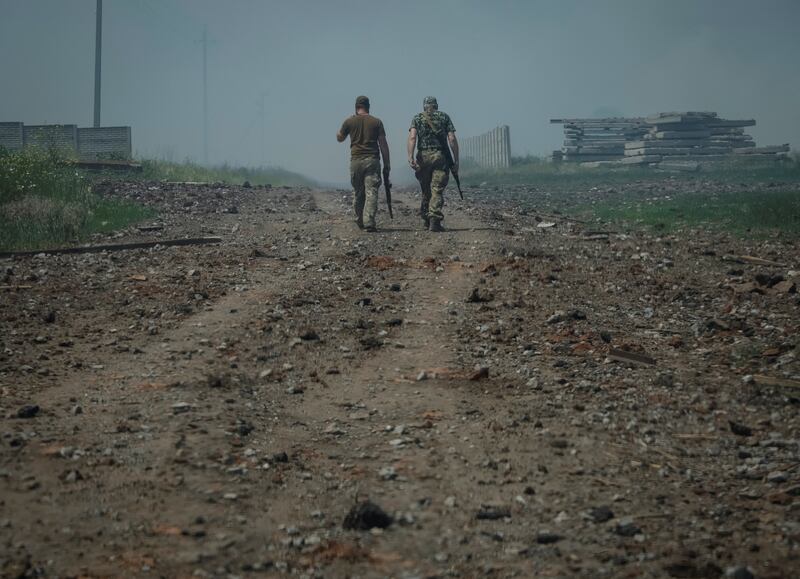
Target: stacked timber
588	140
688	136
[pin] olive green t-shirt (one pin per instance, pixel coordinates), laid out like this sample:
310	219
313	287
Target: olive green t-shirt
364	131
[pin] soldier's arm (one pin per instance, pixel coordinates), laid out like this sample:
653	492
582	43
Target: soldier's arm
451	139
411	145
342	134
384	147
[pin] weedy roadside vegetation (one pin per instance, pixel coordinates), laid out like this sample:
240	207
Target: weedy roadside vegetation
45	202
754	213
753	198
158	170
535	171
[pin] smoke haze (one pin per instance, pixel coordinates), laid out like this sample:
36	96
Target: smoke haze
515	62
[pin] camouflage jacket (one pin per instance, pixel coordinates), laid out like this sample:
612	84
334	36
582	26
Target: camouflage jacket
426	138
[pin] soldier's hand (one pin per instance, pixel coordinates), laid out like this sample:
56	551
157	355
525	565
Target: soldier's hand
413	164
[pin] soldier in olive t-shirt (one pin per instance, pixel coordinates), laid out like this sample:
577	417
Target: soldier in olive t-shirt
367	145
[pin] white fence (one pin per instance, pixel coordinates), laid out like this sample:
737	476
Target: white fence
492	149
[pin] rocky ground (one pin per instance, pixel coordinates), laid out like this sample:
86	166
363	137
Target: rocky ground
524	395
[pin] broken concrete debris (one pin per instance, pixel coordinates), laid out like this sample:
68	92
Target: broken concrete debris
670	141
617	355
366	515
28	411
218	417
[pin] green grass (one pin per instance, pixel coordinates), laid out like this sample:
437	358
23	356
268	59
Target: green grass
107	215
156	170
46	203
749	207
539	172
751	213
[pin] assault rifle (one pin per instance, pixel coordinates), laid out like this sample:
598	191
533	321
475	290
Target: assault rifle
388	186
453	170
442	137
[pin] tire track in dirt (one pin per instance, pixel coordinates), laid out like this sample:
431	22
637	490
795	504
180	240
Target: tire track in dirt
408	440
152	412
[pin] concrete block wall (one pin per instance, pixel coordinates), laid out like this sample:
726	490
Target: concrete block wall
104	143
11	136
89	143
62	137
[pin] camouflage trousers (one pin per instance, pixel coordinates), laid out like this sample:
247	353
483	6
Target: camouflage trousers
432	175
365	176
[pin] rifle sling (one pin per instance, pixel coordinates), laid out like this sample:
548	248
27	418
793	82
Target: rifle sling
443	142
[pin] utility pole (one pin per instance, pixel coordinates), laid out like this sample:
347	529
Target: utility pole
261	113
98	48
204	42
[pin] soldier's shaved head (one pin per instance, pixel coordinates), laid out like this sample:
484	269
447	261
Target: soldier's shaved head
362	102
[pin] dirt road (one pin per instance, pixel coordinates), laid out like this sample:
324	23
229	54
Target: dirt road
217	411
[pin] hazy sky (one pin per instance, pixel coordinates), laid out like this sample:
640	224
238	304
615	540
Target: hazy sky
515	62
